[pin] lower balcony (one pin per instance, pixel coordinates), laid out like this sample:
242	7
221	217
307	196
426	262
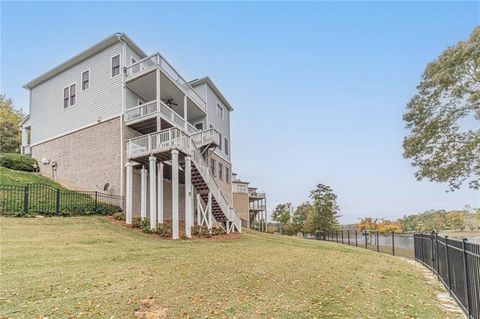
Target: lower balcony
145	115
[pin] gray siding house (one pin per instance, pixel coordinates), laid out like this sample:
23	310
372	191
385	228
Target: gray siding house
117	120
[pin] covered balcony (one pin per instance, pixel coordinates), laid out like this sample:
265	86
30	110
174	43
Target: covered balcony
155	89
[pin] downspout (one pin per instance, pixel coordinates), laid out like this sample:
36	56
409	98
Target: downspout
124	54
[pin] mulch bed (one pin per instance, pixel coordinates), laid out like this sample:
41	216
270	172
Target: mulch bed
231	236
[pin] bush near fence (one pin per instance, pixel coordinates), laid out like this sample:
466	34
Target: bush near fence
457	264
41	199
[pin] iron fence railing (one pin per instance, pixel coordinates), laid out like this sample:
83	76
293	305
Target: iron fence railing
389	243
48	200
457	264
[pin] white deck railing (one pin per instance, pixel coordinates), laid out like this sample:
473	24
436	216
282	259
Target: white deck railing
210	136
157	59
173	138
141	111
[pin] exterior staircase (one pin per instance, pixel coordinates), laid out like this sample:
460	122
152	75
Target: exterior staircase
161	143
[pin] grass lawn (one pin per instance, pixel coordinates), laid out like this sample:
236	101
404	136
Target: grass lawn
87	267
19	178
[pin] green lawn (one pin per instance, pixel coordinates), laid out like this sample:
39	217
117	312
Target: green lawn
87	267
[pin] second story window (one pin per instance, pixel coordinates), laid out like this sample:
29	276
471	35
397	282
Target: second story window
199	126
226	146
241	189
116	65
69	96
85	80
220	171
66	97
72	94
212	166
219	110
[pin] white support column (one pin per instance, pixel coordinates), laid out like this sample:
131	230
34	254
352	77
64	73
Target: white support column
175	220
152	168
160	192
188	197
199	207
185	113
143	193
210	213
129	197
158	95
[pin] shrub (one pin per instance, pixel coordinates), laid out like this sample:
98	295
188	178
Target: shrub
136	222
145	225
17	162
119	216
200	231
218	231
164	230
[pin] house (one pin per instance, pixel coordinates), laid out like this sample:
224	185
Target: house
250	205
116	120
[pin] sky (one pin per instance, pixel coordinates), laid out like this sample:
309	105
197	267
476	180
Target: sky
318	88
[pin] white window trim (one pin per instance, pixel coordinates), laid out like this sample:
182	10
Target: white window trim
69	96
89	79
119	64
224	145
223	110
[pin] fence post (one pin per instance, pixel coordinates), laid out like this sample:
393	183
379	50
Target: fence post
57	202
467	288
448	266
348	234
436	256
393	243
356	238
342	236
25	199
376	239
336	235
421	245
96	200
366	245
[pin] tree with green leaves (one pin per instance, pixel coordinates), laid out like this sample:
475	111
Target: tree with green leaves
300	216
281	214
444	118
10	133
324	214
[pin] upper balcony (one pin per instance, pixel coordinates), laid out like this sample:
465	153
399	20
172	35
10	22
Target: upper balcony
150	64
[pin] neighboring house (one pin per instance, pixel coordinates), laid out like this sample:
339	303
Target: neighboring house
250	205
115	120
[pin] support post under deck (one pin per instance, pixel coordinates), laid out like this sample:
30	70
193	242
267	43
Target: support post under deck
175	220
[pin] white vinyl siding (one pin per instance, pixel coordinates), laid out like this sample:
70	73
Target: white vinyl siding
100	102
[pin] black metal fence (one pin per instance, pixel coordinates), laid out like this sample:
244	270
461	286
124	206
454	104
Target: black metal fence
44	199
457	264
390	243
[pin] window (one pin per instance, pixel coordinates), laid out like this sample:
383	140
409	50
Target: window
140	102
220	140
227	174
220	171
219	110
212	166
116	65
199	126
66	97
226	146
69	96
241	189
72	94
85	80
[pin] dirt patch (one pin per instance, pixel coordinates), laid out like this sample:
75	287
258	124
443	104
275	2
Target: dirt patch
444	299
150	310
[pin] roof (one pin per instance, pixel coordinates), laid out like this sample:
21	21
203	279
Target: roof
114	38
209	82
